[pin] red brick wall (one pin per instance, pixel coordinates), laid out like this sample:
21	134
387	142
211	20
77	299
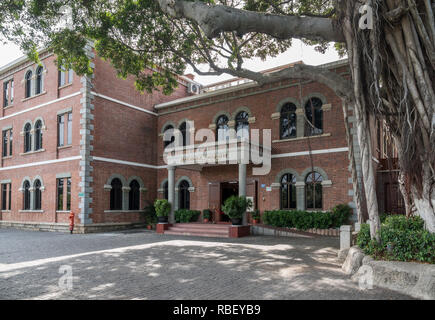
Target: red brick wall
46	171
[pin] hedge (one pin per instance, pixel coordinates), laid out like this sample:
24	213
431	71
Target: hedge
304	220
402	239
184	215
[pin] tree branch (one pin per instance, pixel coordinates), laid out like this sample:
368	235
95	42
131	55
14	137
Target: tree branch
215	19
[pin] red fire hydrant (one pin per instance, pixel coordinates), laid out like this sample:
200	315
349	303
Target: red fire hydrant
71	222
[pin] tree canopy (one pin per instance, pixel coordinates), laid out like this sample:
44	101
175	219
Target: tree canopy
389	43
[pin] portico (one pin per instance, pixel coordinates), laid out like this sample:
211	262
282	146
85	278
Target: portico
221	153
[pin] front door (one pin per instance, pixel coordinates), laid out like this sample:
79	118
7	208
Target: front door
228	189
214	199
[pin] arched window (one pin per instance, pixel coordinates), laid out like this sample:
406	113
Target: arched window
165	190
26	198
38	135
184	195
222	128
314	115
28	84
38	196
116	195
134	196
313	191
27	138
183	129
242	125
288	121
39	83
288	192
169	131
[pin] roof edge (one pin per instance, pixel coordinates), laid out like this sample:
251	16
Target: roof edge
334	64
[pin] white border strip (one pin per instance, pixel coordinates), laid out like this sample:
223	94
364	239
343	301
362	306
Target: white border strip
32	164
129	163
40	106
306	153
284	155
123	103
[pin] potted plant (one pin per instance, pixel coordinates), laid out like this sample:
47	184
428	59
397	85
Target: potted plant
150	215
235	207
206	214
163	208
256	216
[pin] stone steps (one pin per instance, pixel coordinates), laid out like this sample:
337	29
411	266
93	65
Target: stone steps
199	230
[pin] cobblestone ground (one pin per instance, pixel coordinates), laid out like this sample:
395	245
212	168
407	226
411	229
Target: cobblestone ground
144	265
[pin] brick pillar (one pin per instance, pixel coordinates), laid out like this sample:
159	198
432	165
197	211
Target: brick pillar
171	193
300	195
300	123
242	187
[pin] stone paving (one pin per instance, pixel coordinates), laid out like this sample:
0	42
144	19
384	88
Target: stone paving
144	265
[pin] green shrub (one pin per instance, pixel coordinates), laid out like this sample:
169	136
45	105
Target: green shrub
383	217
185	216
402	239
303	220
206	214
235	207
256	214
341	214
401	222
162	207
363	239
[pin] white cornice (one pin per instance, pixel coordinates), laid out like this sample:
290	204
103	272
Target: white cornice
219	92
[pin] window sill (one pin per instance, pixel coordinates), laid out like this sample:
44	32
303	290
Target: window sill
36	95
7	157
32	152
8	107
302	138
31	211
124	211
64	147
63	211
65	86
7	211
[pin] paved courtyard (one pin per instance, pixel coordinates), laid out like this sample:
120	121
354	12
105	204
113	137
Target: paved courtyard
144	265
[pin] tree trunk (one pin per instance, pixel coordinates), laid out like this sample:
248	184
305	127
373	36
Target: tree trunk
355	181
425	201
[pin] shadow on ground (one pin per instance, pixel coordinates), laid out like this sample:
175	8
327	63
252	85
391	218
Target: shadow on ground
169	267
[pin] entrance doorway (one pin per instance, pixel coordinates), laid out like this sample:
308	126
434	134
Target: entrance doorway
228	189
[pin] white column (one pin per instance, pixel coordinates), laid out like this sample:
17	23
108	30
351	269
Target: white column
171	192
242	186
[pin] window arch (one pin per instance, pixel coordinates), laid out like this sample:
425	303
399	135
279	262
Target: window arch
26	198
28	80
169	130
183	130
288	121
116	194
38	135
313	190
222	128
242	125
27	137
134	196
39	82
288	192
38	195
183	195
314	117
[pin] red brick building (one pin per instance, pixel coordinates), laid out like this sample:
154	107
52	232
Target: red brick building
94	146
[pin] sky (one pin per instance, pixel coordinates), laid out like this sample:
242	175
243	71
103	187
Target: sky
297	52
